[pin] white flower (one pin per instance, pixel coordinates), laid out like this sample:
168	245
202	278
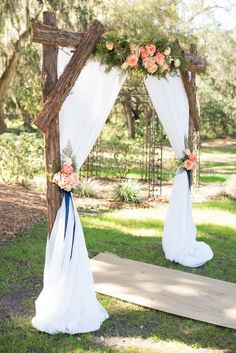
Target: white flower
68	161
187	151
167	51
177	62
125	65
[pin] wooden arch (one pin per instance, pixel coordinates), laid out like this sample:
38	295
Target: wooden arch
55	91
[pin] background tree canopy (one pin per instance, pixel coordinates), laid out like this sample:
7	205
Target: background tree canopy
204	22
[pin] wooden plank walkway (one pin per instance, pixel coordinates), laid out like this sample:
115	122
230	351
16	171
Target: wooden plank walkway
176	292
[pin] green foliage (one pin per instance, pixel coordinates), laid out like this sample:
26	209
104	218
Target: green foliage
87	188
21	156
128	191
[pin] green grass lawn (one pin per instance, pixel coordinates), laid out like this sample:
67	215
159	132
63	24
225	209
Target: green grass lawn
217	163
134	234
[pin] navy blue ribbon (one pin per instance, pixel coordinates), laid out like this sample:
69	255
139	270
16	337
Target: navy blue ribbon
189	177
68	198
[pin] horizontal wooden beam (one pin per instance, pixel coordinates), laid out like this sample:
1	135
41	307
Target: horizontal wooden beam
49	35
62	88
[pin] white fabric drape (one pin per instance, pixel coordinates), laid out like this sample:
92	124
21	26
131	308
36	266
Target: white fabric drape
179	236
68	302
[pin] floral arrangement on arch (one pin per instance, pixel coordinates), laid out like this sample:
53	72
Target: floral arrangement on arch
189	160
66	178
153	57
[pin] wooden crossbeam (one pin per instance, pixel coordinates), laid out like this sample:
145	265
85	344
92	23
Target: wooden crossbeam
49	35
67	80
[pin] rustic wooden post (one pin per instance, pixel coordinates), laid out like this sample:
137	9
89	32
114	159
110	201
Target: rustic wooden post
55	91
51	136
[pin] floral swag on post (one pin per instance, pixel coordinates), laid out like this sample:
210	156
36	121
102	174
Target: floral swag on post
140	56
67	180
189	162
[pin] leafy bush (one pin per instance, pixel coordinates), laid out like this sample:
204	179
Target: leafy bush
87	188
128	191
230	187
21	156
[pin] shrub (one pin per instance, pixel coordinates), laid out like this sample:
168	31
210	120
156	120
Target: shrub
230	187
21	156
87	188
128	191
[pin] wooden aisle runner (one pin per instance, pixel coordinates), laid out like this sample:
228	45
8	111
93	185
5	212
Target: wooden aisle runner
176	292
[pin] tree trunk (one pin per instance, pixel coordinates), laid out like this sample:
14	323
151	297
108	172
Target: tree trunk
9	73
129	119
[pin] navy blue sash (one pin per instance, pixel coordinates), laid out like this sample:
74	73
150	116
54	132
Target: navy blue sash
68	198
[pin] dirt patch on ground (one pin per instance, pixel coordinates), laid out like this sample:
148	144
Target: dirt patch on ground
20	208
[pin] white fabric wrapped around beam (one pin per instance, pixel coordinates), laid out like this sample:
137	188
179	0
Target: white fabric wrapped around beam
179	236
68	302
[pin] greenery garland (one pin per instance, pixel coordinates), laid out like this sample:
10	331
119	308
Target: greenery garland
140	56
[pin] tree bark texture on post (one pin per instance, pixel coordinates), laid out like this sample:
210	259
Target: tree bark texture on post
67	80
49	35
51	137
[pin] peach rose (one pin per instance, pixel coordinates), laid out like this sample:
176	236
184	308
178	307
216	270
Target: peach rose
143	52
192	157
188	164
73	180
148	62
151	48
67	169
159	58
132	60
152	69
109	45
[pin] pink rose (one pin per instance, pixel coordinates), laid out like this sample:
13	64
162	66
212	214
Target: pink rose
152	69
143	52
159	58
67	169
132	60
192	157
188	164
151	48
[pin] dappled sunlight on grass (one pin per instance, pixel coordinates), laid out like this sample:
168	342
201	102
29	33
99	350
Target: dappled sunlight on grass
134	234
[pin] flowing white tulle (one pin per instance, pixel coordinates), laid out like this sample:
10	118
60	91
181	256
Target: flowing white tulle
179	236
68	302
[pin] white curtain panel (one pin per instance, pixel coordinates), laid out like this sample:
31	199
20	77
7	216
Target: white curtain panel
68	302
179	236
